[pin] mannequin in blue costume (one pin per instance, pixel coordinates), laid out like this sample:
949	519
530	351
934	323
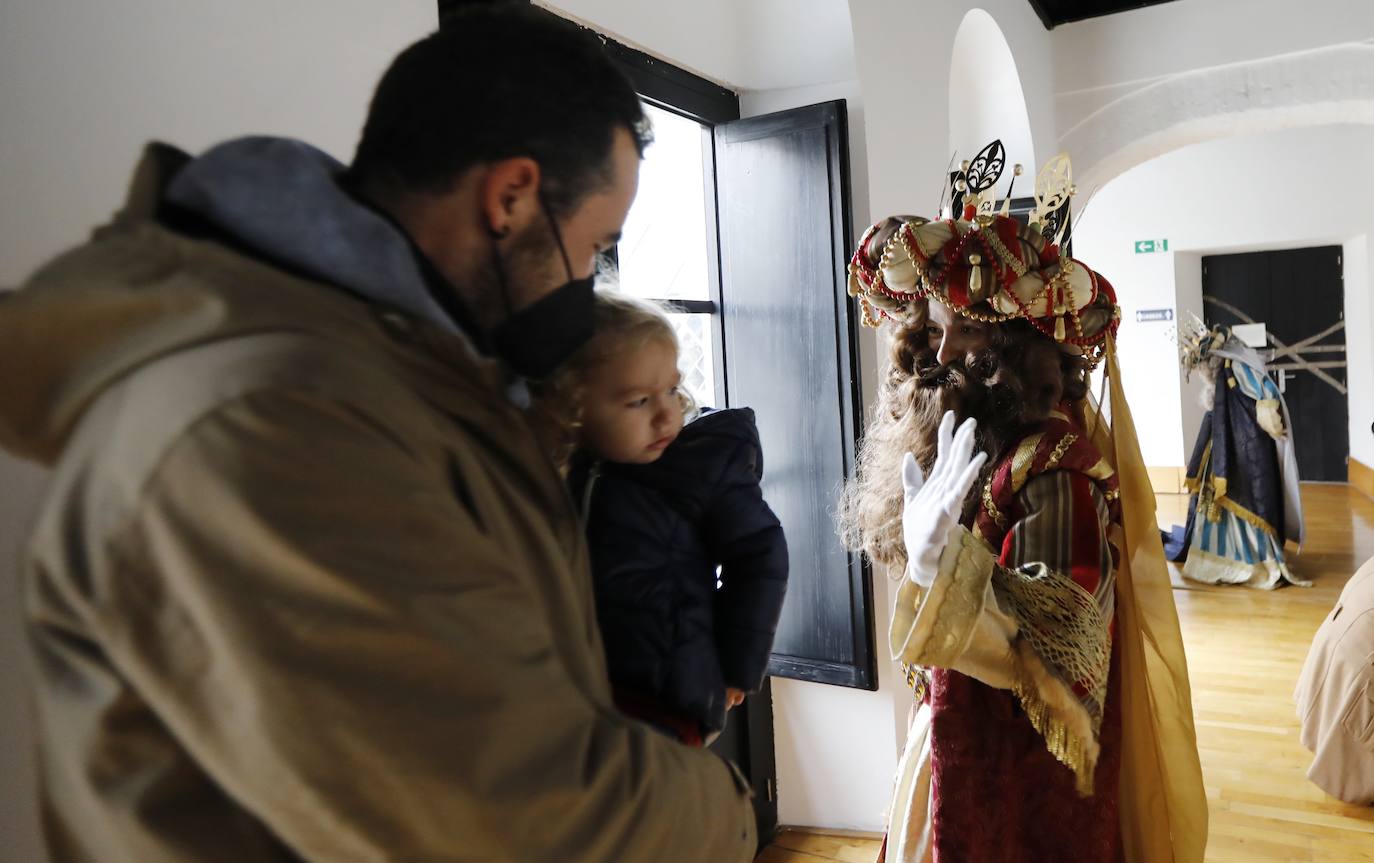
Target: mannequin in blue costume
1243	473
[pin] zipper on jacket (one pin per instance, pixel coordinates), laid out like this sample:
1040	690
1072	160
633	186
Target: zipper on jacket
593	474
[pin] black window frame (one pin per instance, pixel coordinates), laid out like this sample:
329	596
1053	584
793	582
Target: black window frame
707	103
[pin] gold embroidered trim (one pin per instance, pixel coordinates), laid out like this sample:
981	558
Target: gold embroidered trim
1059	451
1212	500
1101	471
990	237
991	507
1022	462
1194	483
1253	519
918	679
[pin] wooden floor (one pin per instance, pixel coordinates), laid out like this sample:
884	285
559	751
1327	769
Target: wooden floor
1245	650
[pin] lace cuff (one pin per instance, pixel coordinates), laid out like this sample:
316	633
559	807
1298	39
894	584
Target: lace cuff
957	623
1026	635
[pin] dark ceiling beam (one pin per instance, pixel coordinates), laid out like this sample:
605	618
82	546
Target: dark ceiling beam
1045	18
1053	13
449	7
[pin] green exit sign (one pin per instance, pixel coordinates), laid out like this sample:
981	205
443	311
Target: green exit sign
1149	247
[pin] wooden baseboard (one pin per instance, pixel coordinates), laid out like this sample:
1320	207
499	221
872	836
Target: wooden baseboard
1167	480
1362	477
827	831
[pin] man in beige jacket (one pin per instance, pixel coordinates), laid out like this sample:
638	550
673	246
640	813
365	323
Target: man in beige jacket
1335	694
306	586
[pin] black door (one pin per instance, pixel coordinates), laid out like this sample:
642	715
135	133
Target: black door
790	354
1299	295
782	201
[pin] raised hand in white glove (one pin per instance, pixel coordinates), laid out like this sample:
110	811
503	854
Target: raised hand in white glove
933	504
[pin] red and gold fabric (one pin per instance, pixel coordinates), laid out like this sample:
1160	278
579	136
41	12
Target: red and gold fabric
1017	636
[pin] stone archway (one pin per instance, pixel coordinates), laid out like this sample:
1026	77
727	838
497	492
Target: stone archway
1110	130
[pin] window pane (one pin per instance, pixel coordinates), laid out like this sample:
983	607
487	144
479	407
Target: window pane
695	357
663	245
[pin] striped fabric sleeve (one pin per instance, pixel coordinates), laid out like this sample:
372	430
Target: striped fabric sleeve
1057	579
1064	529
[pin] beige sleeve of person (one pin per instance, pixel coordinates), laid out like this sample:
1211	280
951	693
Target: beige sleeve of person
1343	758
957	623
336	642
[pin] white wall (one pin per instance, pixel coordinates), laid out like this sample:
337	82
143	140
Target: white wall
1359	317
1270	191
903	50
1188	302
1133	86
986	102
82	87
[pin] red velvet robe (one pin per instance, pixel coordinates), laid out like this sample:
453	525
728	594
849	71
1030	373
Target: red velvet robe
998	794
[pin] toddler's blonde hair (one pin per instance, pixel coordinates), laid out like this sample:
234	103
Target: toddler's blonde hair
623	323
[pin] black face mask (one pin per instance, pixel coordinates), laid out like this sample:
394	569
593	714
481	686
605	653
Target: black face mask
539	338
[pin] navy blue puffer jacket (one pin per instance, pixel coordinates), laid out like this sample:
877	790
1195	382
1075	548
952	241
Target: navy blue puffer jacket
657	534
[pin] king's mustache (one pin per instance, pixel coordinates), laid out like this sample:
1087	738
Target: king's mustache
932	373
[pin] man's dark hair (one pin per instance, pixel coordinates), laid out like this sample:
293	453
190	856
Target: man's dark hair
496	82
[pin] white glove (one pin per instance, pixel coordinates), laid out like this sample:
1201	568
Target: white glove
933	505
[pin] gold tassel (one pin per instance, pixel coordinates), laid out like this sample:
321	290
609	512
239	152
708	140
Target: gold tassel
1067	749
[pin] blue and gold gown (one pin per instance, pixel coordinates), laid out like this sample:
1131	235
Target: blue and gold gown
1244	482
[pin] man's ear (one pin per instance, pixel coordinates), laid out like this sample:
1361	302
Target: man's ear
508	193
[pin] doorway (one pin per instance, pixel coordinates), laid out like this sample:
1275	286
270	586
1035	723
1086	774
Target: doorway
1299	295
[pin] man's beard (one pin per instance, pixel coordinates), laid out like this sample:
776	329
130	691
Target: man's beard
509	279
1009	388
979	386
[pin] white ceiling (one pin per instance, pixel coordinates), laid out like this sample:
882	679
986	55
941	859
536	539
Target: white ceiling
744	44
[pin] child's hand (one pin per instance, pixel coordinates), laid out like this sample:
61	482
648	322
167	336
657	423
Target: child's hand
733	697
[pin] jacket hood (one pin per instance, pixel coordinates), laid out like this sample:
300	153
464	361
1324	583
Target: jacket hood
282	200
737	424
292	252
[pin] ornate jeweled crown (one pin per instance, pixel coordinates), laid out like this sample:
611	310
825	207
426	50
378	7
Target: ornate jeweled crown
1197	341
985	264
